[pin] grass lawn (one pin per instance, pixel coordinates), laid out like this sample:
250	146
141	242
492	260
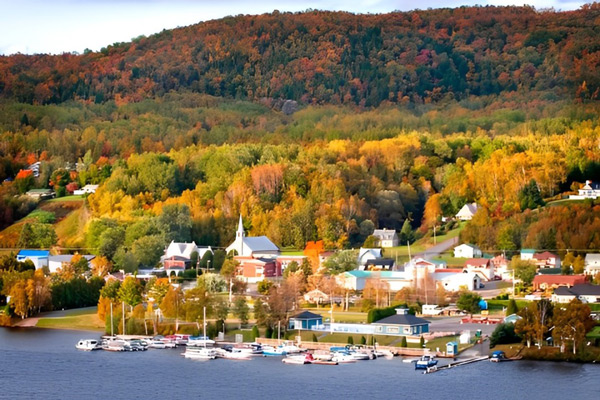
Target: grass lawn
499	305
70	229
65	199
594	333
77	319
341	316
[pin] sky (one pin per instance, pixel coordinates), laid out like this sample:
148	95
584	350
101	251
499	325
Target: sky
58	26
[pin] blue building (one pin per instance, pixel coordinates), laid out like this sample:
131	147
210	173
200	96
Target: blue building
305	320
401	324
38	257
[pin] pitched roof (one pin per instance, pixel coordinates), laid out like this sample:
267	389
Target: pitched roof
260	243
307	315
33	253
546	255
592	258
477	262
389	262
569	280
385	234
584	289
468	245
469	208
401	319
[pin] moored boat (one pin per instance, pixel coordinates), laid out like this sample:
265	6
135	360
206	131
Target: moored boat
298	359
88	345
425	362
199	353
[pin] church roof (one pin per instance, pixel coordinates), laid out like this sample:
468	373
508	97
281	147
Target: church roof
260	243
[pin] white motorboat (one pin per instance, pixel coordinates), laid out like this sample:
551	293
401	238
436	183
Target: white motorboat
88	345
115	345
200	353
342	357
322	355
298	359
274	351
157	344
233	354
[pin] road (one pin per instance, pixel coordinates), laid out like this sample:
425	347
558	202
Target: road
452	324
438	248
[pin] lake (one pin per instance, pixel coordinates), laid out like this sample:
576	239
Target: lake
44	364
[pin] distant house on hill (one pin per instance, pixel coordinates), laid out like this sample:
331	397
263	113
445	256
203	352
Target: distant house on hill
41	194
87	189
386	237
178	256
589	191
467	251
467	211
592	264
367	255
546	260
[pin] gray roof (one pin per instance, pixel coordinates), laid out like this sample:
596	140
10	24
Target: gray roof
260	243
385	234
585	289
592	258
307	315
68	257
402	319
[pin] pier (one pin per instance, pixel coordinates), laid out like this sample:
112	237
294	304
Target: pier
456	364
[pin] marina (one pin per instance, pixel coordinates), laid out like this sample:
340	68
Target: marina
65	366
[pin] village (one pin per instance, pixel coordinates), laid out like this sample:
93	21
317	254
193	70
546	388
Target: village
455	306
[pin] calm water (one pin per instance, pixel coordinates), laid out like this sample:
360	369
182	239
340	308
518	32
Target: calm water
44	364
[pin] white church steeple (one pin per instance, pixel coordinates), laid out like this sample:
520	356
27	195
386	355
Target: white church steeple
240	232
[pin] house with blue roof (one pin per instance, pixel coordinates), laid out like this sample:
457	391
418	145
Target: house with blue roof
39	258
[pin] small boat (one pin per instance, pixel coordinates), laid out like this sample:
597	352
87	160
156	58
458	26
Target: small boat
253	349
425	362
200	353
138	345
498	356
88	345
232	354
298	359
323	362
342	357
322	355
115	345
273	351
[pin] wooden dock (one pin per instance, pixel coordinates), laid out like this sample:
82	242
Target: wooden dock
455	364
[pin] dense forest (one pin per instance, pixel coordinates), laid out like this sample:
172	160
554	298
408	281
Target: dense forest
333	58
315	125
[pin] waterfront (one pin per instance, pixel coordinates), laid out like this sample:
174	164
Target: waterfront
39	363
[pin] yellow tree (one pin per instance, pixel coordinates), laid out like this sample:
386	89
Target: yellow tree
18	298
101	266
38	291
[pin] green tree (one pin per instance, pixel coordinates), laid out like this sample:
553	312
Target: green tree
255	333
314	338
469	302
342	261
221	311
524	270
149	249
504	334
130	291
512	307
406	233
404	343
530	196
370	242
264	286
177	222
110	241
260	312
111	290
241	310
350	340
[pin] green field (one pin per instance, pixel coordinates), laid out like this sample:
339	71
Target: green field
86	320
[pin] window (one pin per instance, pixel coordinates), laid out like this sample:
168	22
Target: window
393	329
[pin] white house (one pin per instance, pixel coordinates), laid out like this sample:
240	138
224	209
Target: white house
185	250
366	255
453	280
585	292
357	280
386	237
592	264
467	251
257	247
482	266
527	254
56	262
588	191
467	211
87	189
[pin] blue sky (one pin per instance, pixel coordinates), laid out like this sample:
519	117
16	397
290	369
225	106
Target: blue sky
57	26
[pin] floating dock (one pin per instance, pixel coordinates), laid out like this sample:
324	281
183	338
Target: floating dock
455	364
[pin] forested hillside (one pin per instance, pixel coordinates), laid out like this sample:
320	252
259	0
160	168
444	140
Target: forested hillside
400	120
333	57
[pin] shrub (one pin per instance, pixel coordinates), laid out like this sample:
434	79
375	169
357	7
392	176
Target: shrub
314	338
504	334
269	332
255	332
350	340
421	342
363	340
404	343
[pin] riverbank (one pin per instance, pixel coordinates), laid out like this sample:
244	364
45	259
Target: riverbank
85	319
589	354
